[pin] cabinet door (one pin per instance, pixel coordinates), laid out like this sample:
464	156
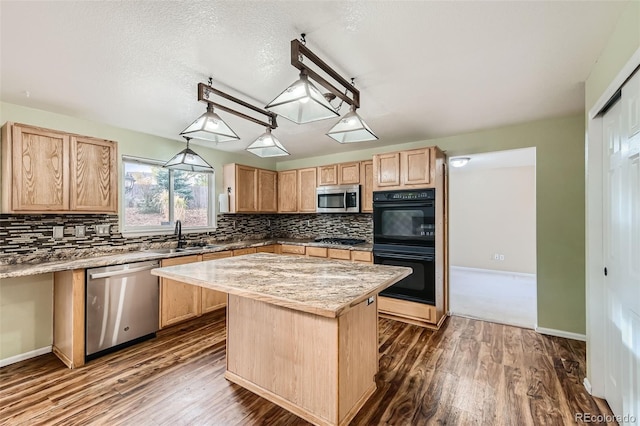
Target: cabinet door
213	299
288	191
328	175
366	180
307	190
349	173
416	167
246	189
267	191
40	170
178	301
94	177
386	169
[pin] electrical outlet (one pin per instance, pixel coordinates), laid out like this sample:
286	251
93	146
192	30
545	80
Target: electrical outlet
58	232
79	230
496	256
233	223
103	229
502	257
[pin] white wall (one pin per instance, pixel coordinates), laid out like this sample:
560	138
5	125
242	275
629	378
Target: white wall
493	211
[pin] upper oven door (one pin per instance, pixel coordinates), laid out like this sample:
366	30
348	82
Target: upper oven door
342	199
404	223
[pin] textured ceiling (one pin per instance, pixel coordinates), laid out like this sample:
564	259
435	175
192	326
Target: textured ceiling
424	69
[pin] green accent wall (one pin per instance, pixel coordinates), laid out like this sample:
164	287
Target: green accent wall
560	204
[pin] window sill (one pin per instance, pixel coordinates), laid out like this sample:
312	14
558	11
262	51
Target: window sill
152	232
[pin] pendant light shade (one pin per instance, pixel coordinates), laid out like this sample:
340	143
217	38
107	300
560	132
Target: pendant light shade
351	128
210	127
267	146
189	161
302	103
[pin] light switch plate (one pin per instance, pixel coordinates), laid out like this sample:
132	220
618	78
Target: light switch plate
58	232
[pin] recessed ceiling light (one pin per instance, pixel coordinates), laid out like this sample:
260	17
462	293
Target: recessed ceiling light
459	161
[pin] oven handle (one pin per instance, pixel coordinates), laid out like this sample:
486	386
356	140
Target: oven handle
401	256
382	204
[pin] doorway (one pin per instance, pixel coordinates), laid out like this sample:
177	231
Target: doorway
492	238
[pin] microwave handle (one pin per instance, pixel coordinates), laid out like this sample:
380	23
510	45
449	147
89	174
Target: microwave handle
344	199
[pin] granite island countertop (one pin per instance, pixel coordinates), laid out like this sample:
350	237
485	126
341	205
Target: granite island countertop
93	259
324	287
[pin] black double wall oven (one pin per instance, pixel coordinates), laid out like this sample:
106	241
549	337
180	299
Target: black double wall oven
404	231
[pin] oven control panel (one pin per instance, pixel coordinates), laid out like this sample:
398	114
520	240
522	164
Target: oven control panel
415	195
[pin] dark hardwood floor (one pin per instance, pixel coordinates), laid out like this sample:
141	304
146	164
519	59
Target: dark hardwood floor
469	372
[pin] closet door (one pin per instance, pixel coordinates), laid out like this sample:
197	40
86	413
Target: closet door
622	251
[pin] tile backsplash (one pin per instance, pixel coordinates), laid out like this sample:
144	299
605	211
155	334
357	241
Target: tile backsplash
28	237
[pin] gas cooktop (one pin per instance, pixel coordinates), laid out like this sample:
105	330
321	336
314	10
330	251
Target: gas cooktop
341	241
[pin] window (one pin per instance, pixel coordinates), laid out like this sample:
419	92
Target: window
155	197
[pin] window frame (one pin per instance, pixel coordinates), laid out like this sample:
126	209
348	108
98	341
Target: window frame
134	231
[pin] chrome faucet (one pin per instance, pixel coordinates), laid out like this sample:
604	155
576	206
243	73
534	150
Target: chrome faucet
178	232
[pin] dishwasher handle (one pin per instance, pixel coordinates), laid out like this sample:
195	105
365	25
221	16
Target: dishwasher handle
120	272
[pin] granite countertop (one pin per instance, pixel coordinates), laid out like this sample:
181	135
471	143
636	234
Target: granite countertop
95	259
324	287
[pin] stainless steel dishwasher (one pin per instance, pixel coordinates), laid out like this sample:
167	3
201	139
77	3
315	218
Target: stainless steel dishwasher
121	307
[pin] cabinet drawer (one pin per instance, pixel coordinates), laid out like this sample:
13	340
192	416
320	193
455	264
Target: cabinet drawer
180	260
339	254
406	309
361	256
267	249
316	251
217	255
240	252
289	249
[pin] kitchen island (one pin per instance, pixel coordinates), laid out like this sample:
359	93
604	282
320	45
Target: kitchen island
301	332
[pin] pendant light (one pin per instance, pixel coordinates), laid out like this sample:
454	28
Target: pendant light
351	128
210	127
189	161
267	145
302	102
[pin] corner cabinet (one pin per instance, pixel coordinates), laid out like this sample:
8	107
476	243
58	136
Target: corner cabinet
405	169
366	189
251	190
47	171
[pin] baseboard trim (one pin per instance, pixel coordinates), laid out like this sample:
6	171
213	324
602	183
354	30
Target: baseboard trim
562	333
492	271
587	385
21	357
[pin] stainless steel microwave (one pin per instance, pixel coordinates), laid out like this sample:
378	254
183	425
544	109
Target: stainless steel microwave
338	199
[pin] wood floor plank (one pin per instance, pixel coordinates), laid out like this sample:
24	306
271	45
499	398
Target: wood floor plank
469	372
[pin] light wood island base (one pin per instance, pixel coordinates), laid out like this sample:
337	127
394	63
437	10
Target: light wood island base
321	369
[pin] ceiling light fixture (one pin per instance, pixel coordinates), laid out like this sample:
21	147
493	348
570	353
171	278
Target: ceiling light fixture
459	161
302	102
267	145
211	127
189	161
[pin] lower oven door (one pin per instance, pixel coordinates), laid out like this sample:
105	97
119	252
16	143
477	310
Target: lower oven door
417	287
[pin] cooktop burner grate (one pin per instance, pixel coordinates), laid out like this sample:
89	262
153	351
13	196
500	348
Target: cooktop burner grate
342	241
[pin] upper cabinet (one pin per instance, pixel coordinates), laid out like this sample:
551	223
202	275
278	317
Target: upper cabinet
252	190
288	191
339	174
328	175
46	171
267	191
405	169
307	182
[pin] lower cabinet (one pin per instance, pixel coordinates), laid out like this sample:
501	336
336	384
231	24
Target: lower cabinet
178	301
213	299
409	312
